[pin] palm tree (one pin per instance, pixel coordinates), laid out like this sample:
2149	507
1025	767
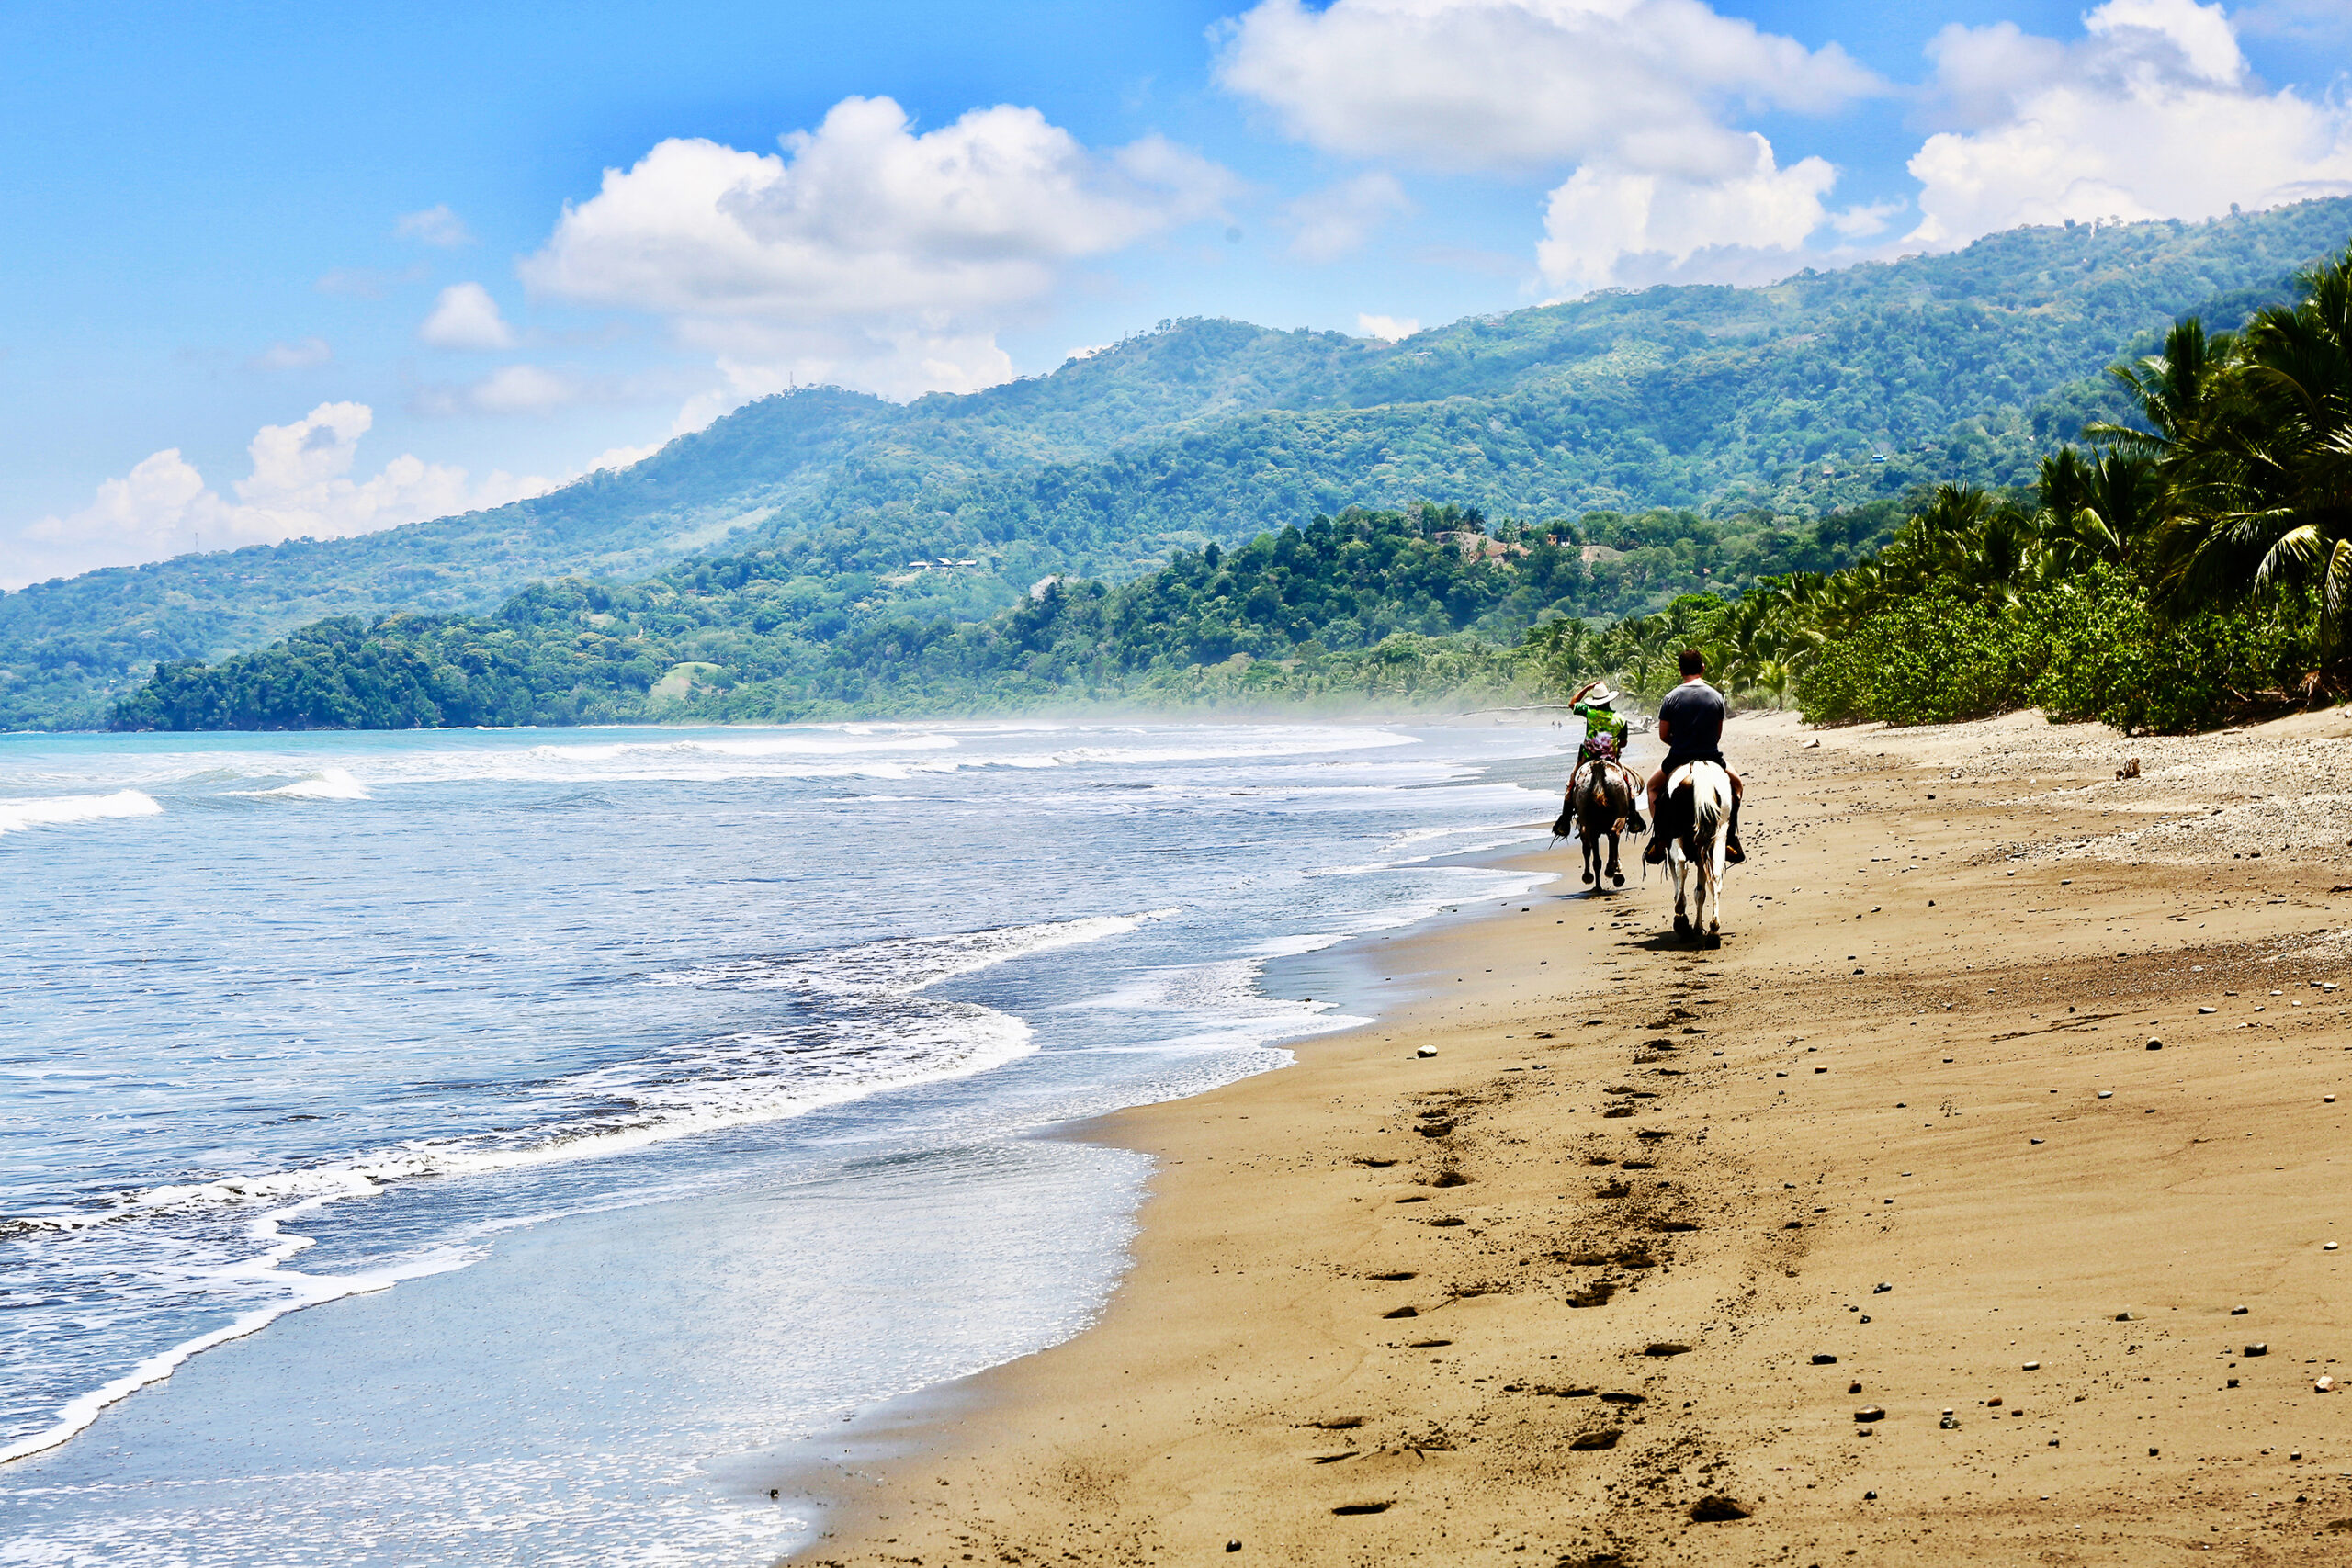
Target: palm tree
2257	462
1561	650
2095	511
2175	390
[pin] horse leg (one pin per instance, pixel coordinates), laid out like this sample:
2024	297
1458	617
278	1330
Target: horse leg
1583	842
1678	865
1615	875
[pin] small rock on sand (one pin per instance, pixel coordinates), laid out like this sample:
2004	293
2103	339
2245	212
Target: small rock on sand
1719	1509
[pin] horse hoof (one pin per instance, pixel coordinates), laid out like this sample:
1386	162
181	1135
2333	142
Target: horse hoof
1618	877
1682	925
1714	939
1587	877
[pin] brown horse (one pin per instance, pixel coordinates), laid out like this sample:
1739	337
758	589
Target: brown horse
1598	802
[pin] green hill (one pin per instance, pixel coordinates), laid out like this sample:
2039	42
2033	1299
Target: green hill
1756	410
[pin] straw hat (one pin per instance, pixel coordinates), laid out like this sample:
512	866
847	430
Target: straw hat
1595	693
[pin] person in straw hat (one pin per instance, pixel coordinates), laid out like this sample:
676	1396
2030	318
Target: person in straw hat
1604	741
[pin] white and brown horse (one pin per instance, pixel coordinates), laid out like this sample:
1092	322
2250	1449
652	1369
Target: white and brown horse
1697	852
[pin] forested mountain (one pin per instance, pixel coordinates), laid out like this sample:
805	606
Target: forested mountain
1749	412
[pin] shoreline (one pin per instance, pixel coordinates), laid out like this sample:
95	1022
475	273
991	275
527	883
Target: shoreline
1848	1095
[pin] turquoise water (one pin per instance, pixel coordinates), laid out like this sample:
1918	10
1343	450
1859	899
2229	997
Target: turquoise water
621	1104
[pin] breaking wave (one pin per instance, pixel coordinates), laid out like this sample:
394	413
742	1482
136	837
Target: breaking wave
57	811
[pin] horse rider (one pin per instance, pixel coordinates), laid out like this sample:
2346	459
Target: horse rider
1604	741
1690	722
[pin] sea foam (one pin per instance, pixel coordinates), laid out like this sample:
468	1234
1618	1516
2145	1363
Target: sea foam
327	784
56	811
868	1029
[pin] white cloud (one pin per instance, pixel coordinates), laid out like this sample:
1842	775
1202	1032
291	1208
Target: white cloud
1616	225
1329	223
867	252
624	457
302	354
1390	329
300	484
523	388
519	390
738	384
1861	222
1517	84
2152	113
465	316
1637	98
434	226
2315	21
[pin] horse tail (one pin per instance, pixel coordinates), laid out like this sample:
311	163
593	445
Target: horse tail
1711	805
1707	813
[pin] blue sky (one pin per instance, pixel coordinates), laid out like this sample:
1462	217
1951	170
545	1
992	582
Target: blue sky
280	270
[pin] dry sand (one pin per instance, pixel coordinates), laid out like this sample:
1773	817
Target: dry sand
1531	1299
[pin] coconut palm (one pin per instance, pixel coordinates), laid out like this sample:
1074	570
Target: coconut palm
2175	390
2258	469
2094	510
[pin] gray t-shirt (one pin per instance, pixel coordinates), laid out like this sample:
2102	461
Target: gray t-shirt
1693	716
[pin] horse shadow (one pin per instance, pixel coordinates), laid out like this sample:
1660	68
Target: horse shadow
1676	942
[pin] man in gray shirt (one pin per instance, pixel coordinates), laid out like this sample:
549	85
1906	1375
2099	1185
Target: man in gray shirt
1690	722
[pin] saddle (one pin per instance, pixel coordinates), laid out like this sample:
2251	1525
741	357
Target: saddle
1600	751
1678	810
1677	815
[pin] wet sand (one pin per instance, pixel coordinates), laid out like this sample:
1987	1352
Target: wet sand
1535	1298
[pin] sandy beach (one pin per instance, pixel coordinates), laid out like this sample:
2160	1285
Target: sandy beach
1973	1202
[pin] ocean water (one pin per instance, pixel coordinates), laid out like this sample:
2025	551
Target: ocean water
485	1146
